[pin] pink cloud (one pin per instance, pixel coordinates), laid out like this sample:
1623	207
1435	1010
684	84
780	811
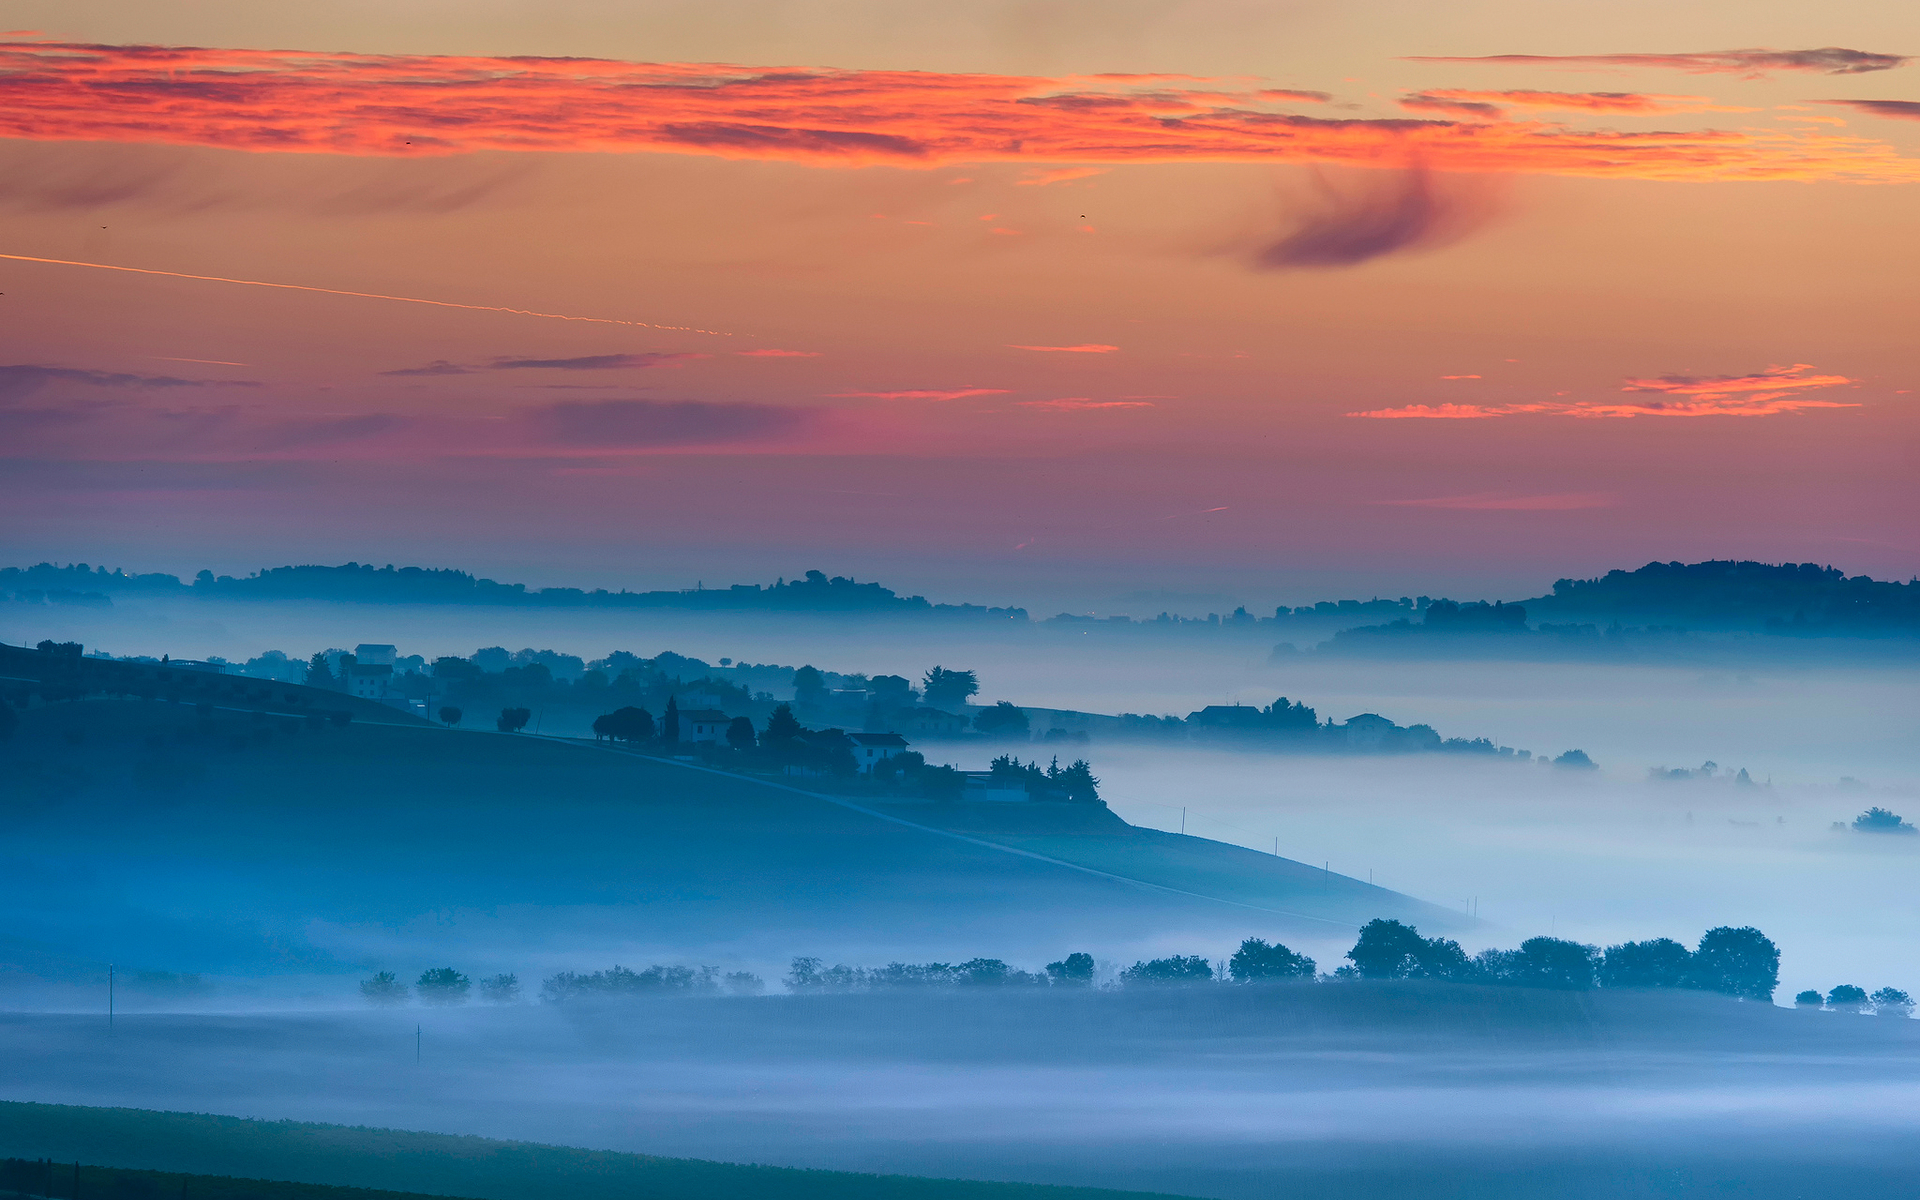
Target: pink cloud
1772	392
777	353
1446	412
1082	404
1088	348
921	394
1060	175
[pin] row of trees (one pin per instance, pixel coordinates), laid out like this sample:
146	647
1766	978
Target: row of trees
1847	998
1740	962
440	987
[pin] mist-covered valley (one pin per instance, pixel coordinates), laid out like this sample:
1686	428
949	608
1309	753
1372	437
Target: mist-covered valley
247	874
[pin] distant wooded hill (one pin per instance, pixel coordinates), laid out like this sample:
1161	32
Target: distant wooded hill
365	583
1779	598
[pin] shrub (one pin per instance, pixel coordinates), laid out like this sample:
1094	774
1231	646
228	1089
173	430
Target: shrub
383	990
500	989
1810	998
1892	1002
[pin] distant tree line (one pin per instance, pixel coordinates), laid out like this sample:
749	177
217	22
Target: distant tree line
1739	962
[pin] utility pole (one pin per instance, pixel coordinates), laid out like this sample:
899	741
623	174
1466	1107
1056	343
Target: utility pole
109	996
416	1043
1183	819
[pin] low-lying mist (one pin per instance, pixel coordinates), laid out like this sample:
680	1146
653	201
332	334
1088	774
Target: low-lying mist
1599	857
1350	1090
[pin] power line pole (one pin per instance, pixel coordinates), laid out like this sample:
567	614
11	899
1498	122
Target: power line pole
416	1043
109	996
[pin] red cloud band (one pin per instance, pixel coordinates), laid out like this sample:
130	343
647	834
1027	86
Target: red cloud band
399	105
1767	393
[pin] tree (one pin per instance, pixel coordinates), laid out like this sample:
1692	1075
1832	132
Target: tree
782	726
944	688
1387	950
1161	972
1553	963
627	724
1847	998
500	989
1077	782
1576	760
740	733
1880	820
1808	999
320	674
1737	962
1075	970
450	716
513	720
808	685
1892	1002
383	990
1257	962
442	987
1660	962
1002	720
670	722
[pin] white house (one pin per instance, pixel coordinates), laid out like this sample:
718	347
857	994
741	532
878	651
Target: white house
870	749
704	725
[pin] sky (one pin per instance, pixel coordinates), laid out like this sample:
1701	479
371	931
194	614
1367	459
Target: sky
996	302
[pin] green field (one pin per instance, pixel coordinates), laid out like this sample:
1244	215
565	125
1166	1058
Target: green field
136	1154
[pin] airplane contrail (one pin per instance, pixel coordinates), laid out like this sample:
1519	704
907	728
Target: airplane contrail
301	287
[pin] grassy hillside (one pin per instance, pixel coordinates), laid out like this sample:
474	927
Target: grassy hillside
149	834
385	1164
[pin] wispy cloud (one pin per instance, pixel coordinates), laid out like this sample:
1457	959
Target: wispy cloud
1085	348
1906	110
921	394
1773	392
336	103
777	353
1373	214
1059	175
1491	103
20	379
438	366
1449	412
1828	60
1081	404
591	362
1495	501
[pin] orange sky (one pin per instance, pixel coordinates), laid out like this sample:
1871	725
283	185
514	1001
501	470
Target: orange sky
1000	306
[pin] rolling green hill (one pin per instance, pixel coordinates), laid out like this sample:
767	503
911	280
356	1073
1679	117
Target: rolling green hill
161	836
167	1149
